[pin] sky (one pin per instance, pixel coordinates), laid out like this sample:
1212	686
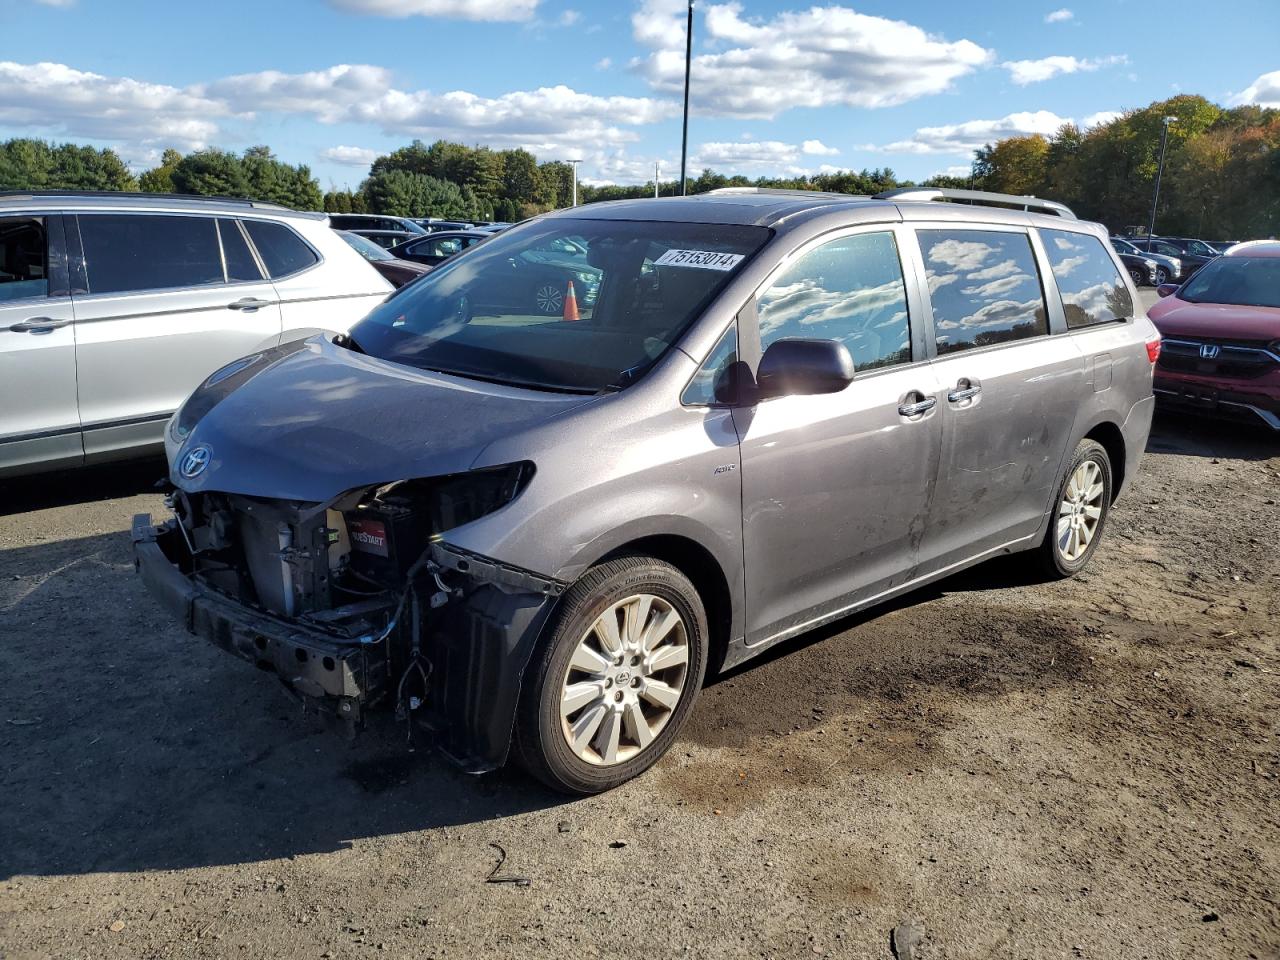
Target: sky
779	87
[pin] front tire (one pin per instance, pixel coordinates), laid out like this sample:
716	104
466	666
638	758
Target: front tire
1139	278
617	672
1162	275
1079	512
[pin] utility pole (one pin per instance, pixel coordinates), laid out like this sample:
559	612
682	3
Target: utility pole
575	180
655	179
1155	198
684	138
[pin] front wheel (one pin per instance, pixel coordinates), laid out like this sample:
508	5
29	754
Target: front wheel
548	298
1162	275
618	671
1139	277
1079	513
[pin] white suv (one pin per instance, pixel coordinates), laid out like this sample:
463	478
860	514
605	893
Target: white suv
114	307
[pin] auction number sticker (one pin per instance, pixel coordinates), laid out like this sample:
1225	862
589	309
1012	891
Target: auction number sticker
706	259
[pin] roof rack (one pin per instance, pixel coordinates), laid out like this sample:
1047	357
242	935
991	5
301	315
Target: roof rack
138	195
783	192
980	198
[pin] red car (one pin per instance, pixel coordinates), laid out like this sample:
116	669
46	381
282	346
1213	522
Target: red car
1221	329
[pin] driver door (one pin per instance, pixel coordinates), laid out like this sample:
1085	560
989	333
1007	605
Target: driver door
835	487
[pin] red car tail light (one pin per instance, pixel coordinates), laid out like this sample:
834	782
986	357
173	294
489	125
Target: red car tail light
1153	348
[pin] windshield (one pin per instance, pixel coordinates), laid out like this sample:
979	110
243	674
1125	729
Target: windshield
1201	249
1240	281
1124	246
364	246
561	304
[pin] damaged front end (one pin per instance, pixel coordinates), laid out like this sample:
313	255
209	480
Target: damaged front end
360	603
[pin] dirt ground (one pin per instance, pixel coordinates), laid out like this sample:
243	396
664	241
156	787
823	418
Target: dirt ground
1082	769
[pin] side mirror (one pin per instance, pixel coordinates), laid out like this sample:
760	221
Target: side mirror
802	367
1166	289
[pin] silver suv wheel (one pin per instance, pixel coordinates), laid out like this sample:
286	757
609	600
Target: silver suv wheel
1080	511
624	680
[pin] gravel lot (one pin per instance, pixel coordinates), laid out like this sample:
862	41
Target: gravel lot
1083	769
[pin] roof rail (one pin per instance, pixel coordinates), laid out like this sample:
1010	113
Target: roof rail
980	198
138	195
783	192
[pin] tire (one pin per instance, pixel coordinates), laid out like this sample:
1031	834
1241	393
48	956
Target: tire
611	689
1162	275
1138	277
548	298
1071	519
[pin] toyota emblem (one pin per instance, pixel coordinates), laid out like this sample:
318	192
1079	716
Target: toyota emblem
195	461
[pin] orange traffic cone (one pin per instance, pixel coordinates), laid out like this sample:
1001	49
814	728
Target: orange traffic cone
570	304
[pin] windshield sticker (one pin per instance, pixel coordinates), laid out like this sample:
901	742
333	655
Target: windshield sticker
705	259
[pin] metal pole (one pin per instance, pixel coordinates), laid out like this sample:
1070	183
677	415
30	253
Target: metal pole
655	179
684	138
575	180
1155	197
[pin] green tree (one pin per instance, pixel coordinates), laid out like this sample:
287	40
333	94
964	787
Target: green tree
159	179
1014	165
211	173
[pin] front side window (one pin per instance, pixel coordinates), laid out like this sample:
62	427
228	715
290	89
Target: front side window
282	251
850	290
1200	248
1092	290
523	309
24	258
126	252
984	287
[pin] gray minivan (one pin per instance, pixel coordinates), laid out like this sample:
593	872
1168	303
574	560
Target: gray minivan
540	533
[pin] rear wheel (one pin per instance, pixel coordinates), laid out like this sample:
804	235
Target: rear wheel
1079	513
1139	277
619	669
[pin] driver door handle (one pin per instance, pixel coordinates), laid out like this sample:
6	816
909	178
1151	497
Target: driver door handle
248	303
39	325
918	407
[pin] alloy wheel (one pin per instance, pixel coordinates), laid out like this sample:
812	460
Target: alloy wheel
549	298
1080	511
624	680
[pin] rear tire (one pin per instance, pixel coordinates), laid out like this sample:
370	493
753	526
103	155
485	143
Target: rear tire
1079	512
1139	278
616	674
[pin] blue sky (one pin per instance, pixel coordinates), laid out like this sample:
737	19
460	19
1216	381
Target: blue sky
779	86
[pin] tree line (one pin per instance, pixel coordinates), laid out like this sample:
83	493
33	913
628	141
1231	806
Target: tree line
1221	173
1221	179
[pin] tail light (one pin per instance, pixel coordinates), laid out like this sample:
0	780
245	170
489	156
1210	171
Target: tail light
1153	348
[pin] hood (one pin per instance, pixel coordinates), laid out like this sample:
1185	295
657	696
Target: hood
311	420
1174	317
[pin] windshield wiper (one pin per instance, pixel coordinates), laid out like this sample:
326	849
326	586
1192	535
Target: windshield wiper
511	381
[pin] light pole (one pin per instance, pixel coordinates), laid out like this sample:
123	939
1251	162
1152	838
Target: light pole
655	179
575	180
684	137
1155	198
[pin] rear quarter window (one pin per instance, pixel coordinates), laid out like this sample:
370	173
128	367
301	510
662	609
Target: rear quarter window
282	251
1092	289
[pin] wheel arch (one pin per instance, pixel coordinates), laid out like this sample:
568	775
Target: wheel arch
1108	433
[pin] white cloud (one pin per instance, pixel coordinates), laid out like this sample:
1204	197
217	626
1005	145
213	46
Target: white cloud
816	148
1100	118
957	170
56	3
1023	72
55	98
1061	15
569	17
1065	266
1265	92
961	138
328	95
350	156
962	255
451	9
604	63
996	288
822	56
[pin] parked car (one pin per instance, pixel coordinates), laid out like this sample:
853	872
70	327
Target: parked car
1221	328
380	222
386	238
1172	267
1142	270
432	225
1191	256
395	271
114	307
436	248
535	536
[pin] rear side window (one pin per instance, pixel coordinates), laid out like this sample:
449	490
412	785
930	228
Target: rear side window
131	251
850	290
984	287
240	263
1092	290
282	251
24	258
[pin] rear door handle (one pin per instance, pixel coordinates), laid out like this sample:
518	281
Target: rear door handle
248	303
964	393
918	407
39	325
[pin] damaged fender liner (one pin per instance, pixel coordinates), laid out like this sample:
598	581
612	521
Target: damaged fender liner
479	643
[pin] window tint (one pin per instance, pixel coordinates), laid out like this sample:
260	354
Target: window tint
850	290
125	252
712	379
984	287
24	258
240	262
282	251
1092	291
